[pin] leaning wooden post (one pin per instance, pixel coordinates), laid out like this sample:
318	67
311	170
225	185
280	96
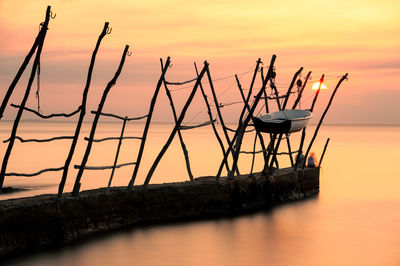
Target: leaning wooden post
283	108
219	112
250	114
221	144
7	154
301	91
111	83
322	118
20	72
303	132
317	93
117	153
148	121
82	111
177	125
185	152
258	134
323	153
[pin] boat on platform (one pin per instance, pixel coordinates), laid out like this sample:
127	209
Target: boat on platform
285	121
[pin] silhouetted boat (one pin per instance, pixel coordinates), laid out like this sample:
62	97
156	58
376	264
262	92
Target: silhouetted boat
285	121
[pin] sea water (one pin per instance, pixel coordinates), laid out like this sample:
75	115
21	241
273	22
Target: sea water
355	219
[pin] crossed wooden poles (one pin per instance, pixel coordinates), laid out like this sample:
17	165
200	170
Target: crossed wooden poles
233	149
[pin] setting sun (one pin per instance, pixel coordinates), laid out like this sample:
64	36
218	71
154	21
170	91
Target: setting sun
315	86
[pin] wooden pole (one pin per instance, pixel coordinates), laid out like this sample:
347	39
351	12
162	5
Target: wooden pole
219	112
42	36
250	113
111	83
211	119
323	153
258	134
117	153
283	108
303	132
82	111
322	118
185	152
148	121
177	125
317	93
20	72
301	91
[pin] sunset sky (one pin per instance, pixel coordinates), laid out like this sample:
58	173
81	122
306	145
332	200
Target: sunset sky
361	38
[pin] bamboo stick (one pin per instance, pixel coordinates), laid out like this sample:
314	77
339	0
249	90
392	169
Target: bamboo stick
117	153
322	117
221	144
120	117
301	91
185	152
111	138
39	140
82	113
111	83
7	154
177	125
147	125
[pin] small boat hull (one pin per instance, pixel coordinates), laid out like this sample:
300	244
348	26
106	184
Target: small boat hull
287	121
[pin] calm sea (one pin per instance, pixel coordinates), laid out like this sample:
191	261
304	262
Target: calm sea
355	219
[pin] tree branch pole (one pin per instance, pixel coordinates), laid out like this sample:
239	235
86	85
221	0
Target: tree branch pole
250	114
171	102
303	132
177	125
283	108
241	129
42	36
148	121
301	91
323	153
117	153
219	113
265	92
258	134
82	113
21	70
110	84
221	144
322	117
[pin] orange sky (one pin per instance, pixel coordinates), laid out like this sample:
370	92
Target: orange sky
330	37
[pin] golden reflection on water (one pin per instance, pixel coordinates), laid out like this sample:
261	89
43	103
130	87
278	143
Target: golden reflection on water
355	220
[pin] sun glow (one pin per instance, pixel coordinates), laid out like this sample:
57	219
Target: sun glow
315	86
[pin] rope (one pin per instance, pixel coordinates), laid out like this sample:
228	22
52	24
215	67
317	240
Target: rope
199	125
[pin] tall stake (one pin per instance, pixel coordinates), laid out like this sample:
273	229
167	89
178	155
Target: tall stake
177	125
185	152
322	118
118	149
219	112
303	132
82	112
283	108
258	134
148	121
212	118
42	36
249	115
111	83
19	73
323	153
